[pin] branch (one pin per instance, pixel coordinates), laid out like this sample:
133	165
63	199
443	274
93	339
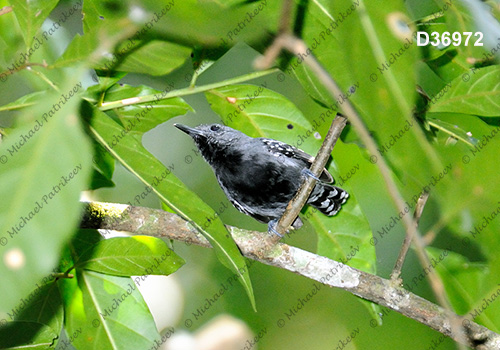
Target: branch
5	9
253	245
299	200
286	17
435	282
23	66
419	208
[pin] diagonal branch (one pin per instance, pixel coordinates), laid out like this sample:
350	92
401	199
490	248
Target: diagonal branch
158	223
299	200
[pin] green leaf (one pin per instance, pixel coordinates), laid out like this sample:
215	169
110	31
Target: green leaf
470	204
170	190
453	131
476	92
27	335
82	242
145	116
25	101
106	310
140	53
485	20
459	19
45	165
154	58
104	166
31	15
209	24
90	49
40	318
260	112
99	15
79	50
449	64
458	275
130	256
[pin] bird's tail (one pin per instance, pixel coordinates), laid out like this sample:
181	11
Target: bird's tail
327	199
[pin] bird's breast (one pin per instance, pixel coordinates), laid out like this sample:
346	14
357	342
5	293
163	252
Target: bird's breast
260	179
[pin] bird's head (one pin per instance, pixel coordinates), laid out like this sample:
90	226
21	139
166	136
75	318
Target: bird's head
213	140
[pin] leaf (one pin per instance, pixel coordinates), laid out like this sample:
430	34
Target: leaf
112	17
470	203
107	310
154	58
452	130
459	19
31	15
208	24
160	180
91	48
458	275
45	165
449	64
260	112
79	50
140	53
477	92
17	334
104	166
130	256
25	101
486	23
40	318
145	116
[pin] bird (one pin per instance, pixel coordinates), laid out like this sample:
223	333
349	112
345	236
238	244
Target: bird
260	175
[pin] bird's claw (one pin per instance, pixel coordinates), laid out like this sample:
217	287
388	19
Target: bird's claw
307	172
270	228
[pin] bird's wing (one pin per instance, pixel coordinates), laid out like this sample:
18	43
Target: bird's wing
292	152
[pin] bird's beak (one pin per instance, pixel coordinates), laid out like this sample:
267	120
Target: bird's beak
188	130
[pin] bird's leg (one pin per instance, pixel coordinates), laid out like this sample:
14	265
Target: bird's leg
307	172
270	228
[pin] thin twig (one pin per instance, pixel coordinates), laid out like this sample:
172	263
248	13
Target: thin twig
23	66
183	92
456	323
5	9
286	17
435	281
108	216
299	200
419	208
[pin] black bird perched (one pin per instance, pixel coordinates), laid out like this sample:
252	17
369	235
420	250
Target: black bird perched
260	175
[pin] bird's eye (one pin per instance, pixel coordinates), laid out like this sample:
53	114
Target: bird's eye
214	128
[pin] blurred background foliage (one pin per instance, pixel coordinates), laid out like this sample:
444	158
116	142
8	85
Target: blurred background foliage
431	110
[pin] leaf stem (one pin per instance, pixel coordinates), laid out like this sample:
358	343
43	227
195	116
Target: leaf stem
184	92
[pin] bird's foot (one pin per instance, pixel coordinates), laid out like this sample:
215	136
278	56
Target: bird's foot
271	228
307	172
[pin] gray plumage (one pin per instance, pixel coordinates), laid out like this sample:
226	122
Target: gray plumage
260	175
